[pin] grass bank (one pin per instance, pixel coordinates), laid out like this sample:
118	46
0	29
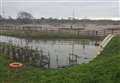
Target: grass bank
105	68
49	35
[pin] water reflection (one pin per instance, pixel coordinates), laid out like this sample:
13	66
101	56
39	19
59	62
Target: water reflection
60	52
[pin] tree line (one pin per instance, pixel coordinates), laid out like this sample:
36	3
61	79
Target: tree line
27	18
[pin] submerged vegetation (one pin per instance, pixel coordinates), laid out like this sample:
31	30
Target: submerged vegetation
105	68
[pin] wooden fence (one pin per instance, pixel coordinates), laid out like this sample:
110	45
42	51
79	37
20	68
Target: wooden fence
76	31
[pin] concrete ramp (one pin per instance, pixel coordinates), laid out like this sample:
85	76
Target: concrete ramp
104	43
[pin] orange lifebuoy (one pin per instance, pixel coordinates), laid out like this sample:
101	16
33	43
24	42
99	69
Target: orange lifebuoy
15	65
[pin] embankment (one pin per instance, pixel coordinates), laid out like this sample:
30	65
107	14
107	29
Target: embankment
49	35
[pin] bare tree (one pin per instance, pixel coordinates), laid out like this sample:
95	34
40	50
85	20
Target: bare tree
42	18
24	18
24	15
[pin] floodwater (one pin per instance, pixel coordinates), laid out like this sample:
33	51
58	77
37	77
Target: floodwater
59	49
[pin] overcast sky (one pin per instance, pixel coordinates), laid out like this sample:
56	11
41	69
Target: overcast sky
62	8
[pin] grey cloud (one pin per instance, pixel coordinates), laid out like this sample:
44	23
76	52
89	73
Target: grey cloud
98	8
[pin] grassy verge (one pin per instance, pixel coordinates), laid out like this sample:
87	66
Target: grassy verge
49	35
105	68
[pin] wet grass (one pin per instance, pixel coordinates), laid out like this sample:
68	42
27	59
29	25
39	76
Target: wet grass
105	68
